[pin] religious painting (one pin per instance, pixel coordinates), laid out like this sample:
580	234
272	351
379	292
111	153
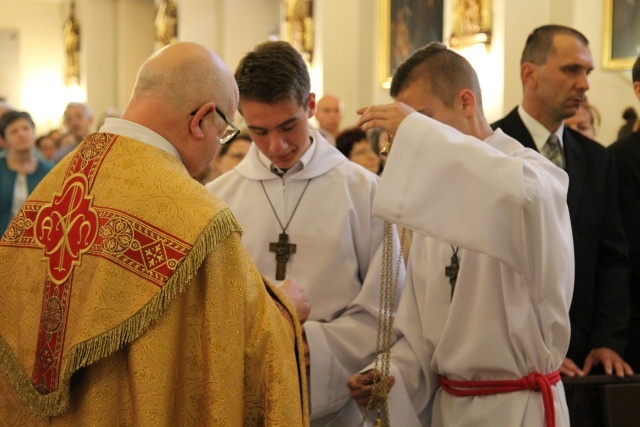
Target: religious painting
405	26
298	26
621	41
471	22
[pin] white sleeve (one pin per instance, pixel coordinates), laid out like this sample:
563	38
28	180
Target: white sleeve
493	197
341	347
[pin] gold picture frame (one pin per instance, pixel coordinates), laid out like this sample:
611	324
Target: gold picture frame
621	39
472	22
298	26
405	26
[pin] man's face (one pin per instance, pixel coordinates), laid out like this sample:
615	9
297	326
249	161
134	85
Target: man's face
559	86
418	96
78	122
329	114
281	130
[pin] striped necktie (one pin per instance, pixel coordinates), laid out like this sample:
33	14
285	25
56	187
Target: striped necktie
552	151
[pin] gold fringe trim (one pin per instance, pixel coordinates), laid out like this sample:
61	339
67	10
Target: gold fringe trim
101	346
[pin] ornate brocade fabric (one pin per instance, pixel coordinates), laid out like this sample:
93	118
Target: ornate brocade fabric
129	300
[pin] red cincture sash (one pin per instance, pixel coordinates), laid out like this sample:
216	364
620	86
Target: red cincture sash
535	381
69	227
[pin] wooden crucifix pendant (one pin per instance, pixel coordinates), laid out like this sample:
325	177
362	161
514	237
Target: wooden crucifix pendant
451	271
283	250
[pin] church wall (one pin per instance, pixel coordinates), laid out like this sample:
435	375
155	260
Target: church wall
117	35
41	57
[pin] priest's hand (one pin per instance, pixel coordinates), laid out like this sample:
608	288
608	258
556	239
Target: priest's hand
387	117
610	360
298	298
365	388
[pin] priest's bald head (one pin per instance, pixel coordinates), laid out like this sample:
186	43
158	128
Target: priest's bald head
179	93
443	85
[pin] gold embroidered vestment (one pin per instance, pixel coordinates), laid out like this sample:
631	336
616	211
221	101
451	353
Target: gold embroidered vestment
128	299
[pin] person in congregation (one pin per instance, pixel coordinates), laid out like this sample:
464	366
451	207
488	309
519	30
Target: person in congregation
555	66
128	296
379	140
627	154
20	170
586	120
353	143
227	158
630	117
329	114
4	107
78	119
485	306
47	147
306	215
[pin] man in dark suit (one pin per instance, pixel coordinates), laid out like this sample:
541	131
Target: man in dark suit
555	65
627	154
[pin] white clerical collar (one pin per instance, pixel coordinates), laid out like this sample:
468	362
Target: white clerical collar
139	133
300	165
538	132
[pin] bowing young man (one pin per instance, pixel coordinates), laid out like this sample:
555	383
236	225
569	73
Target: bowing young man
495	210
306	212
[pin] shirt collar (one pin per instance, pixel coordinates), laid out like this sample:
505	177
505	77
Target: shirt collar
538	132
300	165
140	133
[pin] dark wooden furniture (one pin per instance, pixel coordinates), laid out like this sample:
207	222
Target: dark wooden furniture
602	400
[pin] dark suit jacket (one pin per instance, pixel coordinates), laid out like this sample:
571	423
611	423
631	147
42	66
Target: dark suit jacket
600	307
627	154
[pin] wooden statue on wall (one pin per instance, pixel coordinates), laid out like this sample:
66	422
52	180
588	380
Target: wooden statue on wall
166	23
71	37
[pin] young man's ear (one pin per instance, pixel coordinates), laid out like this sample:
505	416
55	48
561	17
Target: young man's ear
311	105
467	102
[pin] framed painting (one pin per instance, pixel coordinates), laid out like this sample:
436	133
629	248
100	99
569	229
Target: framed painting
621	39
405	26
471	22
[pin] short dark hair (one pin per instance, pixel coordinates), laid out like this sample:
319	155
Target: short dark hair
446	71
539	45
10	117
273	72
225	147
635	71
347	139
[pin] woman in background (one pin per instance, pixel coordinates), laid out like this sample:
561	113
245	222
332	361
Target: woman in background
47	146
586	120
21	170
227	158
353	143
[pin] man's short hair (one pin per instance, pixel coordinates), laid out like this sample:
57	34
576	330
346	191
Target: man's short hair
11	116
539	45
273	72
81	105
635	71
446	71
